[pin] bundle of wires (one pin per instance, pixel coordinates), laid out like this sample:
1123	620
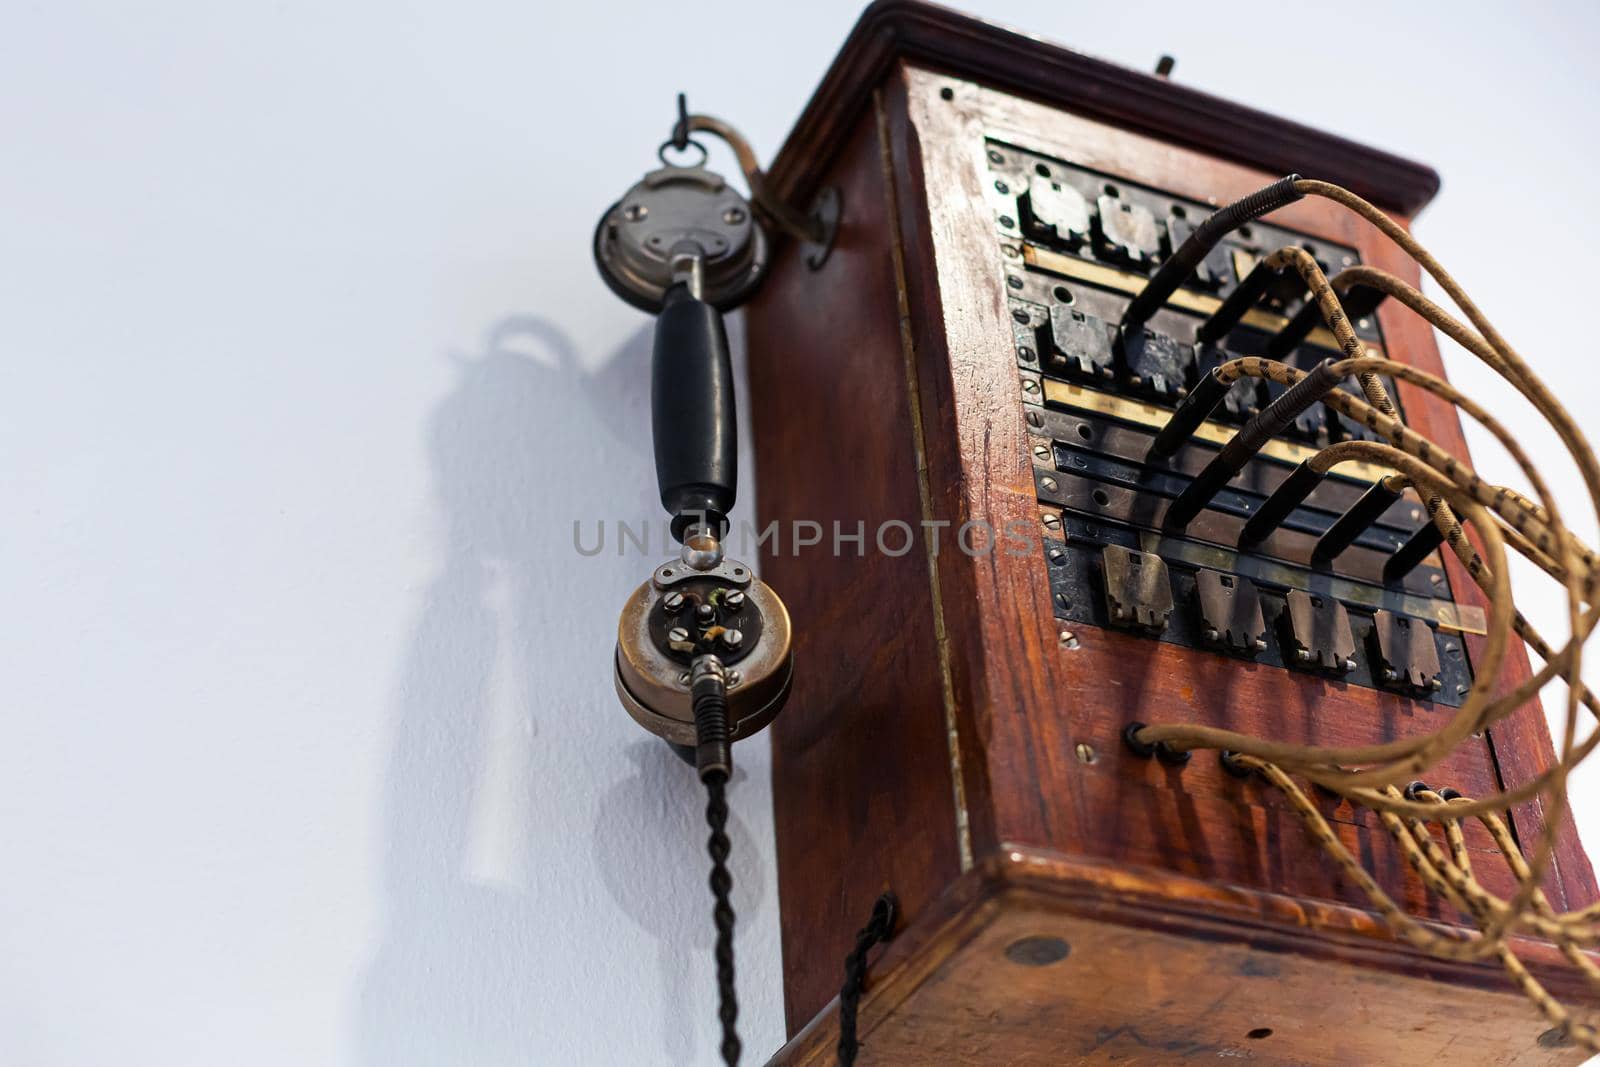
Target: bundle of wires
1374	775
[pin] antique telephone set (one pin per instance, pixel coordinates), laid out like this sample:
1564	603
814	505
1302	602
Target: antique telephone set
703	652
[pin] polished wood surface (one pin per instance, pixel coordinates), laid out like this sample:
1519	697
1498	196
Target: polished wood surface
939	723
1039	959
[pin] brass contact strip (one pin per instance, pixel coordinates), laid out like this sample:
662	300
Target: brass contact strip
1082	398
1188	300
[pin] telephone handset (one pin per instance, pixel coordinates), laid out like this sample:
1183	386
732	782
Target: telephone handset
703	653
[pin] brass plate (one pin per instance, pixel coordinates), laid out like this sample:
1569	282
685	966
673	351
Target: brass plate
1082	398
1185	299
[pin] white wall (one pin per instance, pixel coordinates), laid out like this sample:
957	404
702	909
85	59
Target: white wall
309	751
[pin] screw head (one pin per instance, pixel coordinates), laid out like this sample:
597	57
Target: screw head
683	679
1052	521
705	613
1085	753
733	216
635	212
1067	639
732	639
1057	556
673	602
1001	187
734	600
1035	419
1048	484
677	635
1041	451
1025	353
1030	386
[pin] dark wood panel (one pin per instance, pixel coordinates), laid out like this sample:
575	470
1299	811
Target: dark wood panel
860	770
938	38
1026	700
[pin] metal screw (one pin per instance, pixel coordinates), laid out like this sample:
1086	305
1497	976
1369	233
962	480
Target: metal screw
733	216
1030	386
996	157
734	678
732	639
1067	639
1041	451
705	613
1001	187
1047	484
1010	251
1020	315
1056	556
1025	353
1346	260
1052	521
1349	665
683	679
1085	753
1463	689
677	635
673	602
1261	645
1014	281
734	600
635	212
1035	419
1062	602
1006	221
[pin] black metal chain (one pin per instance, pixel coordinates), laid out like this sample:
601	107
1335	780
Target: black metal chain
880	927
722	912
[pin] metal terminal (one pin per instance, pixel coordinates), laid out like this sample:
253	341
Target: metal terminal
1404	654
1358	302
655	651
1230	612
1354	522
1242	446
702	549
1242	299
1418	547
1191	411
1138	592
1290	494
1316	633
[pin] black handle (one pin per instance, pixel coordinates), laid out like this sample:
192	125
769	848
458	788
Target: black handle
692	413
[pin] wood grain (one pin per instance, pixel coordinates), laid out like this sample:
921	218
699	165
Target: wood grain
937	718
1160	968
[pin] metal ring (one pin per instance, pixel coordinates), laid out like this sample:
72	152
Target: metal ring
661	154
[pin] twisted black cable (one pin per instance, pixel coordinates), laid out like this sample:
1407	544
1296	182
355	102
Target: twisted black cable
879	928
722	913
714	760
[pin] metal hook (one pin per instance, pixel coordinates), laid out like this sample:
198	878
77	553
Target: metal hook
680	129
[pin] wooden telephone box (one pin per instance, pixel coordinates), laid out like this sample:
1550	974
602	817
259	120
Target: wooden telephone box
955	730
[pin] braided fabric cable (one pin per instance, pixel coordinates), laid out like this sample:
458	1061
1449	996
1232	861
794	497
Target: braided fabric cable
1504	520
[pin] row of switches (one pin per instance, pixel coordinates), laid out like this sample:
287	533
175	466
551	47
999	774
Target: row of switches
1314	629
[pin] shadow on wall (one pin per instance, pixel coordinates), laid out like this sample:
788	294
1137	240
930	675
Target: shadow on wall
507	858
